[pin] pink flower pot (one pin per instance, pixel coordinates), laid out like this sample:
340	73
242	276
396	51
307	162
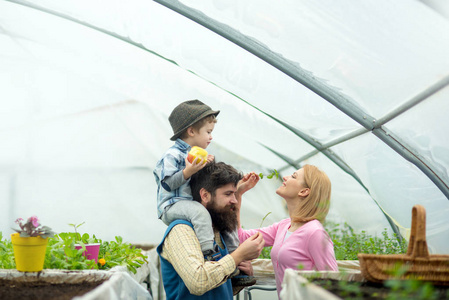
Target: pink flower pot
91	251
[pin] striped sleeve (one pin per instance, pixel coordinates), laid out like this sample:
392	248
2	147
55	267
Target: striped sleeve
182	249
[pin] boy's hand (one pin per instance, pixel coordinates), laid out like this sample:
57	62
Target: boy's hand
191	168
210	158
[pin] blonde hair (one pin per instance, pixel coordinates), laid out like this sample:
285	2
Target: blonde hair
314	206
198	125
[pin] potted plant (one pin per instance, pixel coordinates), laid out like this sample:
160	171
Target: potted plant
29	244
90	246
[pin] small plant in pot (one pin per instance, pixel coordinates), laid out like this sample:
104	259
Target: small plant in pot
29	244
89	245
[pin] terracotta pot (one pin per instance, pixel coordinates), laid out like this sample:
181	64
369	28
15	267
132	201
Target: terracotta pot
29	252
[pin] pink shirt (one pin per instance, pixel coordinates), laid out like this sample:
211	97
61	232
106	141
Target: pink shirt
309	246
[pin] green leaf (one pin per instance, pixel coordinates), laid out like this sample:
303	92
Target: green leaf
274	173
132	269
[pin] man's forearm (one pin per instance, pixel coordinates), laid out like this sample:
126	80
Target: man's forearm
182	249
237	256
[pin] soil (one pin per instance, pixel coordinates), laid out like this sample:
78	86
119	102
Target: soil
375	291
41	290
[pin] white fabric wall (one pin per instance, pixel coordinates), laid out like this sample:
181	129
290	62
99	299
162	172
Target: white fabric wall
86	94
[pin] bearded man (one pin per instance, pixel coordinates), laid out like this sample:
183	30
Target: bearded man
185	272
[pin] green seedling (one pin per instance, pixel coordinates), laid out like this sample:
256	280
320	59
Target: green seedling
266	251
260	226
77	235
274	173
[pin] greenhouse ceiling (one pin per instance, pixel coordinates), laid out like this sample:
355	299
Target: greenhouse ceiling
358	88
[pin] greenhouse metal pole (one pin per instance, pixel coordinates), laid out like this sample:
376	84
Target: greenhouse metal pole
348	170
286	66
396	143
292	69
405	150
306	78
433	89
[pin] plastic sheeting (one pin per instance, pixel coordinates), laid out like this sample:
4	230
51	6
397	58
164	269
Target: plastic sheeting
119	286
296	287
348	270
356	88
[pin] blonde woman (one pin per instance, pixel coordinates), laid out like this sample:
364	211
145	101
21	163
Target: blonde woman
298	241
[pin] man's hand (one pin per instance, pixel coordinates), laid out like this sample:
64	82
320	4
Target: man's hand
191	168
249	249
247	182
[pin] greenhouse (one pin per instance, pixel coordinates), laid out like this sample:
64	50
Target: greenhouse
359	89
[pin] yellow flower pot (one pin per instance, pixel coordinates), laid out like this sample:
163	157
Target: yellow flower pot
29	252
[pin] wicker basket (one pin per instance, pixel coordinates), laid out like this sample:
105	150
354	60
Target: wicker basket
417	262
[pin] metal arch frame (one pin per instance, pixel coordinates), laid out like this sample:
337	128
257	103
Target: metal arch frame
107	32
306	78
342	102
348	170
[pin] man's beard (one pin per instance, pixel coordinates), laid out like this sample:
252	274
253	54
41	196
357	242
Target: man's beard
224	220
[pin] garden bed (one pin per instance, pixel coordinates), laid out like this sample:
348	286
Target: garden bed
373	291
121	271
41	290
351	285
117	283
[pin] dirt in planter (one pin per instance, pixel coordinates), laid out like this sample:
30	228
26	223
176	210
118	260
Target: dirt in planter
375	291
11	289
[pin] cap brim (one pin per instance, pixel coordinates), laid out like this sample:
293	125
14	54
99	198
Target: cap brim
205	114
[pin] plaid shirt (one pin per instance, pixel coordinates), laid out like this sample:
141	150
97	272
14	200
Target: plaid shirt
171	185
182	249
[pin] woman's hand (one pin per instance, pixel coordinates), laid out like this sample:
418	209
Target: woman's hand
246	267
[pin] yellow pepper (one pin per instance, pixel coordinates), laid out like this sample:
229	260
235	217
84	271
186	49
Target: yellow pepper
197	152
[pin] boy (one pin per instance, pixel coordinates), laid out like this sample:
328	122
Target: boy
192	123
